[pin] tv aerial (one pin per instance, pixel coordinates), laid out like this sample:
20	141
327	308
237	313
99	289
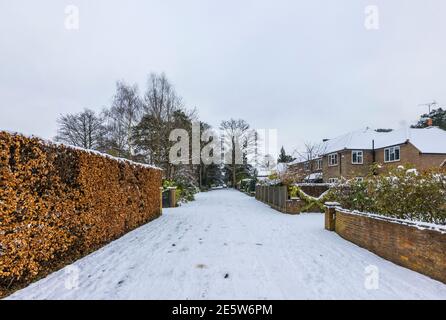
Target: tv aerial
430	105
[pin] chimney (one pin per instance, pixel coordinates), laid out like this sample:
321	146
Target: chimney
429	122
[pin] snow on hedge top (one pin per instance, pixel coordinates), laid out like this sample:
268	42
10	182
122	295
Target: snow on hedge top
427	140
105	155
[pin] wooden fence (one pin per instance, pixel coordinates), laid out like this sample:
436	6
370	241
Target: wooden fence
278	198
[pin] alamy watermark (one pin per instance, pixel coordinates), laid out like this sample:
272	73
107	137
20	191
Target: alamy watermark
71	21
213	147
72	277
371	281
371	21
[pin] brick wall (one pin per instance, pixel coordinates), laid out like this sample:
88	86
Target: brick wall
420	250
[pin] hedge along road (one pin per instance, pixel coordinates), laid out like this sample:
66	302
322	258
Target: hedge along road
226	245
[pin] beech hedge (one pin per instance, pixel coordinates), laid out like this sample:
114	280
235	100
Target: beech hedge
60	203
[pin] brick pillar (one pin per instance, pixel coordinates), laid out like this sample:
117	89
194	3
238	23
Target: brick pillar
172	197
330	215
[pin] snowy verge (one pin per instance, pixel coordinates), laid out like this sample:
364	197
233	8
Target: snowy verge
226	245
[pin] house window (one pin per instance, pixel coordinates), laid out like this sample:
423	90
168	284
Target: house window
333	159
357	157
392	154
319	164
359	179
333	180
306	166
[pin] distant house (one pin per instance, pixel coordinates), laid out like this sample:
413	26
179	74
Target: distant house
308	170
351	155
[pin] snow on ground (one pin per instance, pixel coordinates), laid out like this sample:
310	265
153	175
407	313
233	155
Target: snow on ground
226	245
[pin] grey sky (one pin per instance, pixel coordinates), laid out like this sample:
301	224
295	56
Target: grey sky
308	68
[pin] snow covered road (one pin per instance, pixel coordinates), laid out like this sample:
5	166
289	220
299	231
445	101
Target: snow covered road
226	245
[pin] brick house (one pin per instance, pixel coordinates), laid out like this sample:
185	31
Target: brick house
351	155
307	171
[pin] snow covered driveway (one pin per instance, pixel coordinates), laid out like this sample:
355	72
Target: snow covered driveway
226	245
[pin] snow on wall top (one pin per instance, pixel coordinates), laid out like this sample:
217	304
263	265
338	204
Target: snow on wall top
412	223
427	140
105	155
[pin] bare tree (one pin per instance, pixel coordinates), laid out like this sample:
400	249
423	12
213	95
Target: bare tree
160	103
267	163
239	146
84	129
163	111
309	154
121	118
311	151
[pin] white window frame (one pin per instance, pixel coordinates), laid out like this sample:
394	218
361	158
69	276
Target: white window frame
330	157
392	150
333	180
358	152
319	164
359	179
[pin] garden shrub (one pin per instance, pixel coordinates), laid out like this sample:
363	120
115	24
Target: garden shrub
185	191
248	185
402	193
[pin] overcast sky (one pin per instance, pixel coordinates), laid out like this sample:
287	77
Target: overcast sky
310	69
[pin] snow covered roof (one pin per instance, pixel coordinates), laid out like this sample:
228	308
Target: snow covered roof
427	140
360	139
302	159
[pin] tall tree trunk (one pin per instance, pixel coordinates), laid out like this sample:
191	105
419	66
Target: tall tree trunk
233	164
201	177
